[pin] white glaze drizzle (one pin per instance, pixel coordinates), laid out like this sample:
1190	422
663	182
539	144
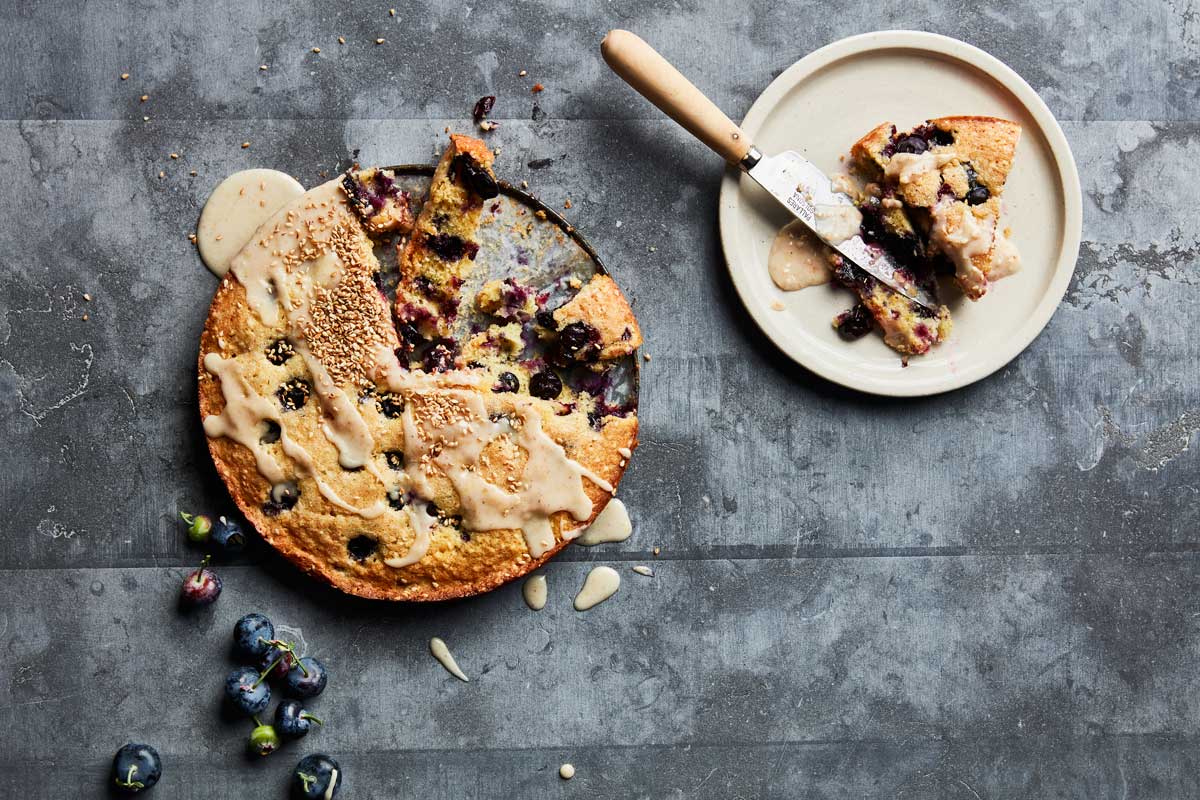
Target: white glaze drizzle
611	525
643	570
442	653
566	771
534	592
236	208
600	584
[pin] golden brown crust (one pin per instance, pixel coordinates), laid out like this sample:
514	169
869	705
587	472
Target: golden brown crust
989	143
314	534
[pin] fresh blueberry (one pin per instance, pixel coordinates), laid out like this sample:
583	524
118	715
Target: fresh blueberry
199	526
136	768
264	739
227	535
306	679
201	587
546	385
279	660
252	636
547	321
978	195
246	689
292	721
316	777
506	382
575	340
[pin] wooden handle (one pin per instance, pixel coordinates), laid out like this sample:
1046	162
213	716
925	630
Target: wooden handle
655	79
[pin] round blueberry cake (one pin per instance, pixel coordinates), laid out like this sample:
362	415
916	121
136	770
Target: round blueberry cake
435	444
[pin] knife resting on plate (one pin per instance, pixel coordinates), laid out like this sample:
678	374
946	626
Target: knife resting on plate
793	180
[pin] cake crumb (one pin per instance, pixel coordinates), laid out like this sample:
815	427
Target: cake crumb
567	203
193	173
566	772
524	184
777	306
540	214
537	87
245	145
657	550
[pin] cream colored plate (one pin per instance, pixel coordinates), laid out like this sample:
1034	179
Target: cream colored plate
819	107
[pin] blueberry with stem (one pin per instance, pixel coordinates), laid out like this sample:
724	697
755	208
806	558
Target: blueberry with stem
280	659
307	680
252	636
292	721
201	587
136	768
199	526
247	691
264	739
316	777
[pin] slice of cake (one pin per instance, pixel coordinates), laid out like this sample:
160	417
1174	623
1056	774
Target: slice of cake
441	251
377	199
947	177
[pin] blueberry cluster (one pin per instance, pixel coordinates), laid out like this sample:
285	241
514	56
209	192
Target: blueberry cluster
202	586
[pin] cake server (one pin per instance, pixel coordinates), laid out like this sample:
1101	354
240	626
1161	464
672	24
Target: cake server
788	177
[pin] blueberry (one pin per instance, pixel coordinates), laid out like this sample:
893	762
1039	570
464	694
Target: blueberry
283	497
246	689
361	547
575	340
391	405
395	499
228	537
912	144
475	177
293	394
978	195
306	680
201	587
279	351
546	385
199	526
316	777
546	320
271	432
506	382
292	721
264	740
854	323
136	768
279	660
441	356
252	636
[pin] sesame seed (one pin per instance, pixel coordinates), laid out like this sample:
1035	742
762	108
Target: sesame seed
174	155
145	97
316	49
262	67
85	317
124	76
219	237
524	184
145	119
523	73
245	145
87	297
193	173
162	174
379	41
567	203
391	12
341	40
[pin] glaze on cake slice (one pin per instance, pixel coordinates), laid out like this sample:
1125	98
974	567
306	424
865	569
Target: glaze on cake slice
948	175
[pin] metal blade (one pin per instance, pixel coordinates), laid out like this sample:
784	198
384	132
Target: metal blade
802	188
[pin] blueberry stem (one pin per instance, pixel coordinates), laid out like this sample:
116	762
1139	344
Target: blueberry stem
199	573
290	647
262	676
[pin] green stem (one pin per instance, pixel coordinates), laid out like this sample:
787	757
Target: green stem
262	676
308	716
186	517
257	724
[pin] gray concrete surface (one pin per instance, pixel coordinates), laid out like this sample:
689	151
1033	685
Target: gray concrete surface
1019	620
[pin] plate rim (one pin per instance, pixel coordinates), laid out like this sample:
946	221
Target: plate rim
1067	176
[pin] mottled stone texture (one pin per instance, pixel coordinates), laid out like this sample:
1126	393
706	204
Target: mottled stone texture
1016	619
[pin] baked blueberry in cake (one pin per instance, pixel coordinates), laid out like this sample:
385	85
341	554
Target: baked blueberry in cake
379	201
392	449
946	178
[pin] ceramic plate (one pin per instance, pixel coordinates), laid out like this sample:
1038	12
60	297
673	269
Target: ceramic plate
819	107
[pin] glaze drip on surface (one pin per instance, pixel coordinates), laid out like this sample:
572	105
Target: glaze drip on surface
611	525
534	592
236	208
442	653
600	584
